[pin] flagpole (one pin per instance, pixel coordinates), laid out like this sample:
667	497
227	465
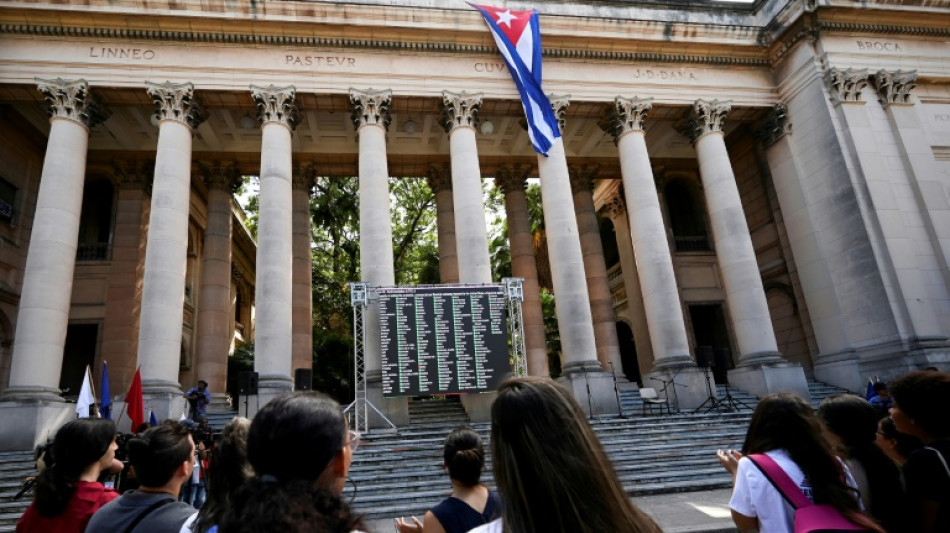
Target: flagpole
92	385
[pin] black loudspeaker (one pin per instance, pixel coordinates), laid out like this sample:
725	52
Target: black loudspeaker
247	383
303	379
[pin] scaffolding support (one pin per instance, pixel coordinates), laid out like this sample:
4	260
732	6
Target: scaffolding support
514	294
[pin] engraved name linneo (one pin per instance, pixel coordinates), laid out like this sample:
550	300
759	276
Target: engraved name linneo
122	53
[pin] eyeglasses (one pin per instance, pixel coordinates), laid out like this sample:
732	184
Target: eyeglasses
353	439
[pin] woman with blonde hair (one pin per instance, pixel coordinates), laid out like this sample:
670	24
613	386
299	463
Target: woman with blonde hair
550	468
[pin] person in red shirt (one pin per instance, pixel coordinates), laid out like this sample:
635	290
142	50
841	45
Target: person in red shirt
67	491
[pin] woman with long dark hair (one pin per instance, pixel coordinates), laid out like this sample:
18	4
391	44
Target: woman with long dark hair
852	422
920	409
896	445
68	491
785	428
471	504
300	449
550	468
228	471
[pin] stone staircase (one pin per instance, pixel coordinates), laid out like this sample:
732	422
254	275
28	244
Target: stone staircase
400	473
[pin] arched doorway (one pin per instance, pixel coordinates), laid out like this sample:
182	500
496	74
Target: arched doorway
628	353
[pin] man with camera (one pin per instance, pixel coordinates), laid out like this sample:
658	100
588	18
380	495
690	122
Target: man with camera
198	399
163	458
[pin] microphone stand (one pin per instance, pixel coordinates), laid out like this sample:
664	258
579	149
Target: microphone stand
590	405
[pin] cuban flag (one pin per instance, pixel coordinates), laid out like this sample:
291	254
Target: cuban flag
518	37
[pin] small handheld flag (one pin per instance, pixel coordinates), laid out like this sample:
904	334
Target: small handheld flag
152	419
86	396
135	401
518	36
105	406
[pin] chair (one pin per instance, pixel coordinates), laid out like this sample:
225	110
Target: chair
650	398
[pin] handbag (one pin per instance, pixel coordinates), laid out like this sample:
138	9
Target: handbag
809	516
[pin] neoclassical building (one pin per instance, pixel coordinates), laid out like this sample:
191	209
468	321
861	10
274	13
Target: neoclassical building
758	189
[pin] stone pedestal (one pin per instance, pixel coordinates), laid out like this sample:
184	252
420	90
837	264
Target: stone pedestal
28	423
689	389
592	387
766	379
165	401
478	406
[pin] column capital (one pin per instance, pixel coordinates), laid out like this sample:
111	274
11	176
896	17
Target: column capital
277	104
627	115
706	116
460	110
176	101
582	176
134	174
439	177
72	99
371	107
894	87
616	204
222	175
304	177
560	103
510	178
775	125
846	85
236	276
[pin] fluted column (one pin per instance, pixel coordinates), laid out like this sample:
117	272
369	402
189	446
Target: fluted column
601	300
661	300
278	114
745	295
120	328
51	259
440	181
512	179
459	118
371	117
303	269
926	298
214	293
163	293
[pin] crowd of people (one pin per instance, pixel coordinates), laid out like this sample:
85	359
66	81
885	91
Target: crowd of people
286	470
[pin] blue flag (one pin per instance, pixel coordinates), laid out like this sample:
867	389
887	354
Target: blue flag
518	37
105	407
152	420
869	393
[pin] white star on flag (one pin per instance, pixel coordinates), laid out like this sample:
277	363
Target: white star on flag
506	17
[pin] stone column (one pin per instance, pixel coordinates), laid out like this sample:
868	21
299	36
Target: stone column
761	368
459	118
163	291
601	300
214	331
440	181
371	117
303	269
32	402
570	283
278	114
512	179
120	328
932	211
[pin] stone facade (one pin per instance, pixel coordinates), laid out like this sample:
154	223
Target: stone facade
776	177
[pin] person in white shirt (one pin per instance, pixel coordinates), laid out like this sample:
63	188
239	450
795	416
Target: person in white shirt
785	428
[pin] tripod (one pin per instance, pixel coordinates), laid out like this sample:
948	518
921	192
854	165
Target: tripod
666	385
732	404
712	401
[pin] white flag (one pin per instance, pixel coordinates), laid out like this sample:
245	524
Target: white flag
86	396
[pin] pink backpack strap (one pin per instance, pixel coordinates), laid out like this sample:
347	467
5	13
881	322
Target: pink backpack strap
780	480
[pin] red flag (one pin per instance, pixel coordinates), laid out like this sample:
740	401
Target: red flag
135	402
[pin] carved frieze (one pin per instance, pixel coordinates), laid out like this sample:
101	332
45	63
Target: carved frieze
176	101
439	177
626	115
775	125
706	116
512	178
277	104
846	85
371	107
894	87
72	99
459	110
582	177
560	103
222	175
